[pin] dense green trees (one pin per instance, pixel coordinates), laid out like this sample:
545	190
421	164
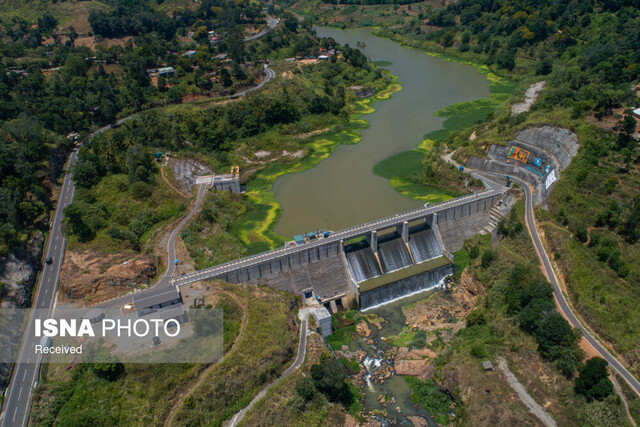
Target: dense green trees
24	201
330	379
530	298
593	380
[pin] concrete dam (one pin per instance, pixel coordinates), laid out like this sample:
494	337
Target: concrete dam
401	263
371	263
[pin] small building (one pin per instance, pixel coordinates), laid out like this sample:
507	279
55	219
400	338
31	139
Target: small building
323	320
155	299
487	366
323	57
636	113
164	71
189	53
221	56
175	312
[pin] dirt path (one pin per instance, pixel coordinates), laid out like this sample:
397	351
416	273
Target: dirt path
245	315
589	230
302	348
171	185
616	386
525	397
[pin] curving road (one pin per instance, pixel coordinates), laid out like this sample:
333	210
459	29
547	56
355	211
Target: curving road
557	290
24	376
271	23
171	244
268	75
302	348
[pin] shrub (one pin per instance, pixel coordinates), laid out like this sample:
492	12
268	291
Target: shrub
304	389
330	379
593	380
488	257
478	351
140	190
476	317
419	340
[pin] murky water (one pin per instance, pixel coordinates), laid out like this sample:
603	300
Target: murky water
395	386
342	190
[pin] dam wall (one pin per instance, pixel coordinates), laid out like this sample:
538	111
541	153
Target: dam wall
366	256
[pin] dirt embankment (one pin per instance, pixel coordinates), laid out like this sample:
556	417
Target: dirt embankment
439	311
92	277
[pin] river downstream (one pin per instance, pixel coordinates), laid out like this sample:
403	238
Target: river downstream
342	190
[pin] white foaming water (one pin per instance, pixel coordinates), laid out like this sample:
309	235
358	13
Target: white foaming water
439	285
371	364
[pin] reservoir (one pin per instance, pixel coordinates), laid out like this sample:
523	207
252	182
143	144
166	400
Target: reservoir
342	190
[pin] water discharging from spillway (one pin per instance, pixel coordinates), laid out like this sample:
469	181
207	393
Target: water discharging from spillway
394	255
428	280
363	264
424	245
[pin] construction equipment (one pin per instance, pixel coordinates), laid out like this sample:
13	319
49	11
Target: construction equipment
235	171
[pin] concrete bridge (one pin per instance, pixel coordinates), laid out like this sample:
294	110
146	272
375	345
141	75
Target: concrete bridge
278	261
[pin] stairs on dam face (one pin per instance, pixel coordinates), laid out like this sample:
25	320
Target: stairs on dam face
327	277
494	218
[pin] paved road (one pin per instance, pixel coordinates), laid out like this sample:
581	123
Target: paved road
17	400
345	234
302	348
559	295
171	244
271	23
268	75
25	372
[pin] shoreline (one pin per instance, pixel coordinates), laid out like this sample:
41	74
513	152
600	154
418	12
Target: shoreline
257	233
458	116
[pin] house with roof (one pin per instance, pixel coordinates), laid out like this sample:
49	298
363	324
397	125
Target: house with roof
156	299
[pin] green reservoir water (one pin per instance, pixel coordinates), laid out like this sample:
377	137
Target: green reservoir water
342	190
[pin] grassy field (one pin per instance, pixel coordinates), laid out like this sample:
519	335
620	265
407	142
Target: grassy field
283	407
142	395
348	16
459	359
71	13
207	237
605	301
266	347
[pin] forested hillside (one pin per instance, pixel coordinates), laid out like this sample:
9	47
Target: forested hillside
589	55
51	84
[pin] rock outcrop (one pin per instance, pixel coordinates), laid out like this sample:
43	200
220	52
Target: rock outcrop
18	275
439	311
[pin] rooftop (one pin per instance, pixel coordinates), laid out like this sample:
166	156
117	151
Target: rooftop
155	297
